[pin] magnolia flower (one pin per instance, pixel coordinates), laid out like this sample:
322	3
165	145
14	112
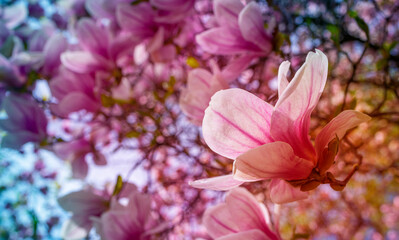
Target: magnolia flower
240	217
240	30
131	221
14	15
74	92
75	152
101	50
269	142
25	122
202	84
85	205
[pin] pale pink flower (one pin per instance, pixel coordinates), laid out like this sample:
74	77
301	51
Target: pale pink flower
52	51
75	153
25	122
101	50
202	84
74	92
269	142
85	205
241	30
240	217
130	221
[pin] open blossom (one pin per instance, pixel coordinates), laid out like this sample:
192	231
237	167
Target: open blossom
74	92
201	85
131	221
269	142
240	217
25	122
241	30
75	153
85	205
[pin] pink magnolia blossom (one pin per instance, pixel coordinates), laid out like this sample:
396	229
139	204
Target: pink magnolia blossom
85	205
269	142
52	51
202	84
14	15
101	50
75	152
130	221
25	122
240	30
74	92
240	217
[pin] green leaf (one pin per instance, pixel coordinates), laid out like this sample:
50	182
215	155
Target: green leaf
363	25
118	186
335	33
7	48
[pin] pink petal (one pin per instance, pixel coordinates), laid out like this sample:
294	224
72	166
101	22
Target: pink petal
121	45
137	19
83	202
338	126
224	41
139	206
74	102
75	229
283	192
236	66
201	85
247	211
67	82
272	160
254	234
291	116
221	183
97	9
219	222
252	29
171	5
282	77
80	168
85	62
119	225
227	11
53	49
235	122
92	37
14	15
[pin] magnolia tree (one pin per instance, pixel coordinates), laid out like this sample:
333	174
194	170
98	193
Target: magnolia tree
231	119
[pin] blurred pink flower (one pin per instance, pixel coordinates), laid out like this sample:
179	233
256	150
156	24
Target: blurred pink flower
269	142
240	217
241	30
100	48
87	204
201	85
52	51
75	152
83	205
74	92
25	122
